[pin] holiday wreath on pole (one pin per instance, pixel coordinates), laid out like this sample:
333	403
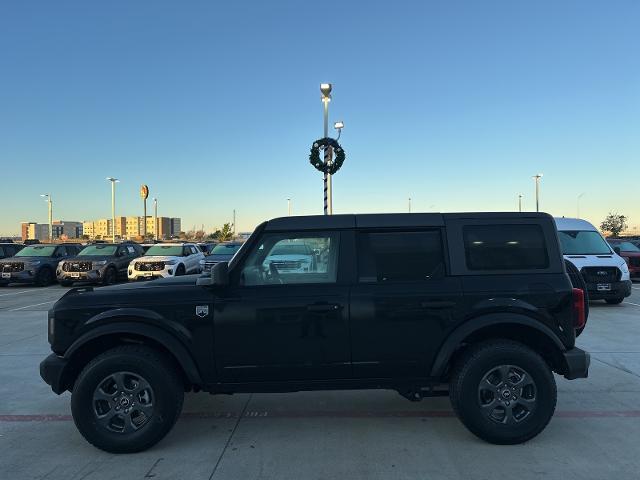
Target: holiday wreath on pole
321	165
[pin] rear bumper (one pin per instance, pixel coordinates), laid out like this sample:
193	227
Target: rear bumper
618	289
52	372
577	363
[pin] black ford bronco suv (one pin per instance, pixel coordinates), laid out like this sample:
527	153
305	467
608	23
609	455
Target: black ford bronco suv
476	306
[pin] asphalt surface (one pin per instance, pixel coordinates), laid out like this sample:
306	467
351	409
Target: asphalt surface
318	435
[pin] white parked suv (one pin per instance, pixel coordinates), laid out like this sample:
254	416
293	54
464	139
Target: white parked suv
166	260
604	271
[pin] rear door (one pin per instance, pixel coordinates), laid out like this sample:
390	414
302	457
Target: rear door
402	302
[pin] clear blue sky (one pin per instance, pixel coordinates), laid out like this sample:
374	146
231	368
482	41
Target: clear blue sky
214	105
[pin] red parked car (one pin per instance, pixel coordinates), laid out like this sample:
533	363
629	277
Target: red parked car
629	252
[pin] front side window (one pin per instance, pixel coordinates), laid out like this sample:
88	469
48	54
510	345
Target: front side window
505	247
292	259
583	242
400	256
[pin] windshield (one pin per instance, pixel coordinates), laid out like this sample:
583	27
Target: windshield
36	251
226	249
626	247
291	250
583	242
165	250
95	250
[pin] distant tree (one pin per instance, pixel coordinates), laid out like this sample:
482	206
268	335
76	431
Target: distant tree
224	234
614	224
198	236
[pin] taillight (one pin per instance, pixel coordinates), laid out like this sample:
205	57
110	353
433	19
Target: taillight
579	318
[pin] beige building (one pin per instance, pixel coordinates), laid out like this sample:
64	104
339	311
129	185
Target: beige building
130	227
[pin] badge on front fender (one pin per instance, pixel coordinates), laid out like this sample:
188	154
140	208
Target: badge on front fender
202	310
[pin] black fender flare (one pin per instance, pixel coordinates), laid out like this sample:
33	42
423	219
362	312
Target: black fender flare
475	324
145	330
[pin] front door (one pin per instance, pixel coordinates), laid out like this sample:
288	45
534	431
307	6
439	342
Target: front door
285	315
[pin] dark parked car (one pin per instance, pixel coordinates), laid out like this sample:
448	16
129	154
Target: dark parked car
207	247
222	252
475	306
9	249
103	263
35	264
628	250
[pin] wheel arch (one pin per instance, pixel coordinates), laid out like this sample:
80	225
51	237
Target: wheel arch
517	327
108	336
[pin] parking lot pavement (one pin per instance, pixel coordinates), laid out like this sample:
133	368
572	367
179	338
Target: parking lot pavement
308	435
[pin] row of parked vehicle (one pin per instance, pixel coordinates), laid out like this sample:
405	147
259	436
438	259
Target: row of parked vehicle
106	263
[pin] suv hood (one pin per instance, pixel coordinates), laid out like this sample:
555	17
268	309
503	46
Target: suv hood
26	259
89	258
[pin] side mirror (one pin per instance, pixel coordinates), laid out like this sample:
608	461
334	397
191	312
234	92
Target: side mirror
219	276
617	250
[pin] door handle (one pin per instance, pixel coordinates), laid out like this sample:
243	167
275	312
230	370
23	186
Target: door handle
438	304
323	307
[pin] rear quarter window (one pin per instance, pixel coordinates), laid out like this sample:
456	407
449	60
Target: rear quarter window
505	247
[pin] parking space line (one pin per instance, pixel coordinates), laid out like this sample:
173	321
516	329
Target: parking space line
14	293
34	305
634	304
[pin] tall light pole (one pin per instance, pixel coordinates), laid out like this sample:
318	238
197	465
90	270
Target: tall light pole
325	90
155	218
50	205
409	204
113	207
288	206
578	204
537	178
520	202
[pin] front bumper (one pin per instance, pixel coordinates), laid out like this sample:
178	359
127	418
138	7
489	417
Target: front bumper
52	371
618	289
168	271
25	276
576	363
88	276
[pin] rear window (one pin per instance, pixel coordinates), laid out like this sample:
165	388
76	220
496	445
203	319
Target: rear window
399	256
505	247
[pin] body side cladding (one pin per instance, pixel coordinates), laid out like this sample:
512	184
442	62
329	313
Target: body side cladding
476	324
144	330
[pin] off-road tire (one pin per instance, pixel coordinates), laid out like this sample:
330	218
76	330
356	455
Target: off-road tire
168	396
464	389
110	276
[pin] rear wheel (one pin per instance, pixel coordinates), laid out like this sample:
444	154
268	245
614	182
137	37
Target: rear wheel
503	392
614	301
127	399
44	277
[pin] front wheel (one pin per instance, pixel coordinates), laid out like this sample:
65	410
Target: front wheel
44	277
614	301
127	399
503	392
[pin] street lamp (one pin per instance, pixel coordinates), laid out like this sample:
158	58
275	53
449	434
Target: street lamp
520	202
537	178
578	204
50	204
409	204
155	218
113	207
338	126
288	206
325	90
